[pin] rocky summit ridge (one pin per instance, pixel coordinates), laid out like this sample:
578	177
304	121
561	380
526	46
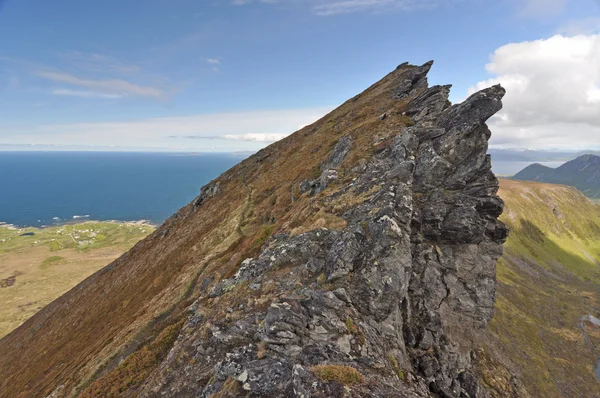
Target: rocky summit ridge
355	258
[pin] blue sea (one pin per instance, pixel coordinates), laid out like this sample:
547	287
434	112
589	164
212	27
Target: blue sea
45	188
506	168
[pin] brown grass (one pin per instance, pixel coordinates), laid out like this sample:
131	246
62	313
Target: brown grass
134	370
232	388
262	350
87	325
40	280
346	375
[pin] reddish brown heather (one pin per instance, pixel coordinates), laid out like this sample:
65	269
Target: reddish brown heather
124	307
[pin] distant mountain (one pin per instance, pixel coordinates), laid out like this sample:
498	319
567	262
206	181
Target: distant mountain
582	173
528	155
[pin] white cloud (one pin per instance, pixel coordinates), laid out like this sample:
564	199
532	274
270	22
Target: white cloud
95	62
107	86
348	6
225	131
525	8
541	8
84	94
253	137
214	62
586	26
553	93
335	7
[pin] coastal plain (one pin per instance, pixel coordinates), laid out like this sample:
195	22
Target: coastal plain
37	265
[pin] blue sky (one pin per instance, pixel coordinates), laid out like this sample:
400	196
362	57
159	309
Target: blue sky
238	74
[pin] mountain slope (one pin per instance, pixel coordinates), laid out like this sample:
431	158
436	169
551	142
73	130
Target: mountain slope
354	257
582	173
548	284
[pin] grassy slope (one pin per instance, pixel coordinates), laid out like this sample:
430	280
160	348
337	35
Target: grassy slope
548	279
53	260
153	284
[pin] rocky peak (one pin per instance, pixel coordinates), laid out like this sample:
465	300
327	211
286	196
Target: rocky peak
353	258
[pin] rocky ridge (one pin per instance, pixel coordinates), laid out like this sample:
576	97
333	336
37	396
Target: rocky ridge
384	295
415	278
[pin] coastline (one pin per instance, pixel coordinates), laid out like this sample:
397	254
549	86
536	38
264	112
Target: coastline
78	221
39	264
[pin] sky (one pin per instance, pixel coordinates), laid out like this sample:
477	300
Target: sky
236	75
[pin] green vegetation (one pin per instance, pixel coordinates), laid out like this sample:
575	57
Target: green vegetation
40	264
550	224
345	375
49	261
351	326
322	278
80	236
397	369
548	279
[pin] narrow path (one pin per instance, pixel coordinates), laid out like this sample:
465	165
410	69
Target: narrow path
245	210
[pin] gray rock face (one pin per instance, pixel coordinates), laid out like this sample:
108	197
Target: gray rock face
401	294
208	191
329	173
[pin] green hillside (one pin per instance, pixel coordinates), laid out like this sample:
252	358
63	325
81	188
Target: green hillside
548	281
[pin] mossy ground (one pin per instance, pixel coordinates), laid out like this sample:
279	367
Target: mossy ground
548	279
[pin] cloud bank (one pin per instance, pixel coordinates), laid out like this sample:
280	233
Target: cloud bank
105	86
541	8
524	8
225	132
553	93
336	7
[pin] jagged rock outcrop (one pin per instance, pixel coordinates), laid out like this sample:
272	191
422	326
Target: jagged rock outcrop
413	272
374	279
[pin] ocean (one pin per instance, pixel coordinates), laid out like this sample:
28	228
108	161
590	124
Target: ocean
507	168
46	188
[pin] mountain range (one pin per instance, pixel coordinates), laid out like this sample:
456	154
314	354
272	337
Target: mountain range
531	155
582	173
